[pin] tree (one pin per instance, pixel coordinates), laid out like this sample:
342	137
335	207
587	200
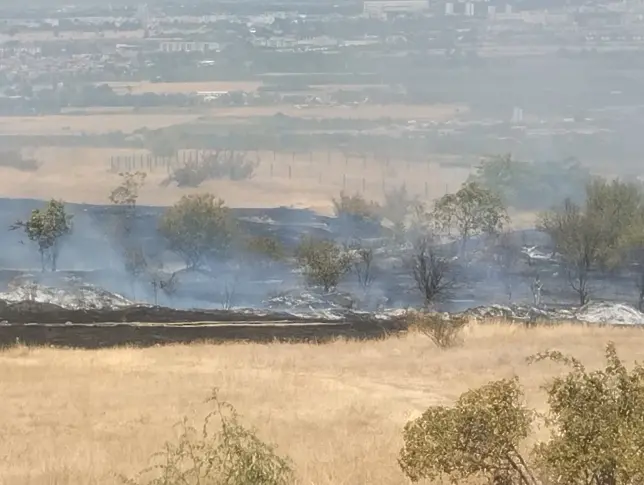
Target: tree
472	211
430	271
122	231
597	423
479	437
506	255
126	194
577	239
47	228
596	236
362	264
618	208
198	228
323	262
530	185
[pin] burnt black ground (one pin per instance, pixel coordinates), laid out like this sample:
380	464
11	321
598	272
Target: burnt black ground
88	255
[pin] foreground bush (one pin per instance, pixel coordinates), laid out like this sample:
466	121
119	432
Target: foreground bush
597	424
478	438
231	455
596	421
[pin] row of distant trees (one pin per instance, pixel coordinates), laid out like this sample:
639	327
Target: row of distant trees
603	234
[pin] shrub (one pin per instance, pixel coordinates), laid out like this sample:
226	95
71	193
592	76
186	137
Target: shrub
232	455
323	262
266	247
355	207
445	331
597	423
477	438
596	419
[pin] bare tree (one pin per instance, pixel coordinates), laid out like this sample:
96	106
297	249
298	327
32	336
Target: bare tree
506	254
362	264
430	271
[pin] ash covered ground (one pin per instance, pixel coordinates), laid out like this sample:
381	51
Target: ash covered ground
91	277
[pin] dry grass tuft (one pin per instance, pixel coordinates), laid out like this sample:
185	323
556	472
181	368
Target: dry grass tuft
72	416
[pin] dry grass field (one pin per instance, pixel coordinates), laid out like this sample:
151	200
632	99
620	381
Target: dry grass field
127	120
69	416
434	112
82	175
92	123
182	87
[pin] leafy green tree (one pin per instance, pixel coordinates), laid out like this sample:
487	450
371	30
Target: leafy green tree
323	262
577	239
595	236
198	228
479	437
47	228
532	185
471	211
597	423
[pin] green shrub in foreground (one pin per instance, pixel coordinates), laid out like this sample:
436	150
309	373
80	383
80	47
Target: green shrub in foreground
596	420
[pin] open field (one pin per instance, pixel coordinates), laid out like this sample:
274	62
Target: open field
182	87
434	112
71	416
109	121
105	120
81	175
48	36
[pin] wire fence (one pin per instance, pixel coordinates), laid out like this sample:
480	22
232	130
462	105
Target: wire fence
352	172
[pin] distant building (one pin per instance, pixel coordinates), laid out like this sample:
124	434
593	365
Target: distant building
187	46
380	8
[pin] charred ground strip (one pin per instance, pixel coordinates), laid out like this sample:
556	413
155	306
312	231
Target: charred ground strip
145	326
95	336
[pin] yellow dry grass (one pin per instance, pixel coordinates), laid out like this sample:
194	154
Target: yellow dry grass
433	112
71	416
94	123
81	175
182	87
